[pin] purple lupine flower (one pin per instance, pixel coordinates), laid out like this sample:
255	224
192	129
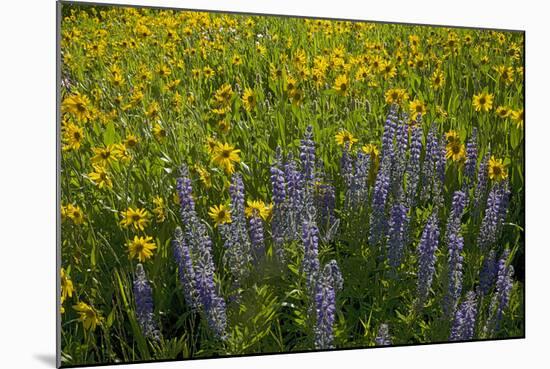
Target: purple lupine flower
346	168
236	192
488	273
235	234
388	136
196	236
278	223
143	296
455	244
471	157
379	197
186	273
336	274
458	204
490	224
296	199
457	209
430	158
413	168
326	203
357	191
307	157
383	337
184	189
465	317
257	236
426	259
504	203
212	303
330	280
501	296
481	187
397	235
278	179
310	262
400	160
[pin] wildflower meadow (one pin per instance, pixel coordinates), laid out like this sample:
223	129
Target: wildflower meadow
238	184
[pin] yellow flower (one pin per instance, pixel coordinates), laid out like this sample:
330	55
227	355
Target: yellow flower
414	41
417	108
67	287
341	84
116	79
131	141
249	99
396	96
141	247
104	155
497	170
138	218
438	79
164	71
142	30
371	150
376	62
388	69
290	84
296	96
257	208
503	112
153	111
225	155
452	136
345	138
204	176
362	74
211	144
159	209
518	117
159	132
222	96
506	74
483	102
122	153
77	105
419	61
72	137
89	317
75	214
456	151
237	60
224	126
220	214
208	72
100	177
